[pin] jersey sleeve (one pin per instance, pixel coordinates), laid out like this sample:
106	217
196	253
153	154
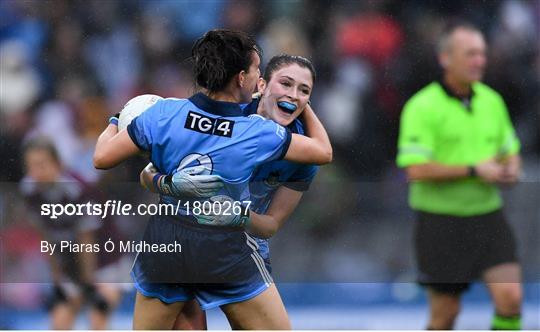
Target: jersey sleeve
302	178
142	129
416	136
509	142
273	141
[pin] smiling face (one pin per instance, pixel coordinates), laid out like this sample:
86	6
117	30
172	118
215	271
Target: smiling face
291	83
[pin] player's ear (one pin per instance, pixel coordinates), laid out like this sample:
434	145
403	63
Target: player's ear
261	85
241	78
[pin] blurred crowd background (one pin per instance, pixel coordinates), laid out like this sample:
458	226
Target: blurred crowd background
66	66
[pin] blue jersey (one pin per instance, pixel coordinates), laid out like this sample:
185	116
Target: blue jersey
180	133
268	177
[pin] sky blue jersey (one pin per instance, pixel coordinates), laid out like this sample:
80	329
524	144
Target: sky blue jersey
269	176
180	133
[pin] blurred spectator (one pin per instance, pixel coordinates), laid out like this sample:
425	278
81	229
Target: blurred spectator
19	80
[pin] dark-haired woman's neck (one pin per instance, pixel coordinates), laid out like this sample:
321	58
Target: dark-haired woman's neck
225	95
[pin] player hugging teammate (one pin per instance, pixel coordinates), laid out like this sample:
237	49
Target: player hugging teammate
233	277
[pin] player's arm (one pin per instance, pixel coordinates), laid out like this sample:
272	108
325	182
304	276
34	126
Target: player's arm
113	147
283	203
315	148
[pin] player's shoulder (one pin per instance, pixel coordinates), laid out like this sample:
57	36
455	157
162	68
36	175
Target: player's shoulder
169	107
259	122
262	127
257	119
173	103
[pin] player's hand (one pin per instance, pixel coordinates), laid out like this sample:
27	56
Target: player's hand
490	171
231	218
191	182
114	119
150	168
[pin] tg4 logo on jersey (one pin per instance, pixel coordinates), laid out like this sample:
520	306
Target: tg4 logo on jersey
207	125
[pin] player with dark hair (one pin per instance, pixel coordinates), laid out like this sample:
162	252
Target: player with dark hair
74	274
209	130
276	187
457	144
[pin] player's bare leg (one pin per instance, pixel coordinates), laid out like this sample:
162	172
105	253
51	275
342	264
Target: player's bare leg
99	318
64	313
504	284
263	312
192	317
63	316
444	310
152	314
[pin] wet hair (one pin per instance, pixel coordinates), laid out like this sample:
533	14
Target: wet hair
41	143
219	55
279	61
443	43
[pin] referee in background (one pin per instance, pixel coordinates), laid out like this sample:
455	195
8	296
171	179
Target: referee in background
457	145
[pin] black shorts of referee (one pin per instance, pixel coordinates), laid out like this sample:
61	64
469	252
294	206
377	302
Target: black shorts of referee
452	252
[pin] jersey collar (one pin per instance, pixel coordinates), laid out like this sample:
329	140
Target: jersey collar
252	107
465	101
209	105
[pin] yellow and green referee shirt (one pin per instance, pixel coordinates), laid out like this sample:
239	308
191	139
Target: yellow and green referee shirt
437	126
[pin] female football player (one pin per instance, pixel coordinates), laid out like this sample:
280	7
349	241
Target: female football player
219	266
276	187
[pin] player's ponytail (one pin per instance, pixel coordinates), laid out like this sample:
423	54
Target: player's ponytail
219	55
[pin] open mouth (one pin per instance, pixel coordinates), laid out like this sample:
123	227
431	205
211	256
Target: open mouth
286	107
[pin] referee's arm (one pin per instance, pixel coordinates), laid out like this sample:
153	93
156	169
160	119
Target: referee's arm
489	170
433	171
